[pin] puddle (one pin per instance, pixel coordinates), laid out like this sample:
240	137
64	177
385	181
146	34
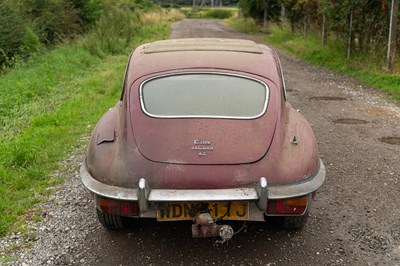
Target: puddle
391	140
350	121
328	98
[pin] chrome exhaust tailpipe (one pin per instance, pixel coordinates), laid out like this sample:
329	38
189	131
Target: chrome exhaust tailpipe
226	232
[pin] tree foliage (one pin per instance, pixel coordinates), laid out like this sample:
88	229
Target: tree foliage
255	8
12	32
370	19
28	25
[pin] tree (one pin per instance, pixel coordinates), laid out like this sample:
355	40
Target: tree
12	31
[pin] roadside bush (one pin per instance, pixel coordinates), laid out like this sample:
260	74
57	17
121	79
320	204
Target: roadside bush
113	31
151	18
32	43
89	10
28	25
12	33
247	25
218	13
58	21
158	16
52	20
174	15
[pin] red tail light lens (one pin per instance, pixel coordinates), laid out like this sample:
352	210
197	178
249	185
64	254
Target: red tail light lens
118	207
296	206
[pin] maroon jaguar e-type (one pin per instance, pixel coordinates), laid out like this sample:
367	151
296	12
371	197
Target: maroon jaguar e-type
203	132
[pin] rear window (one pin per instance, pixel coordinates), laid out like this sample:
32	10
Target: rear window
204	95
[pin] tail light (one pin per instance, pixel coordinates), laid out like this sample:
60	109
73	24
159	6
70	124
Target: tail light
295	206
118	207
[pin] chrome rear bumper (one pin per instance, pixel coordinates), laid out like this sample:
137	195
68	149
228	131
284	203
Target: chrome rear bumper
258	194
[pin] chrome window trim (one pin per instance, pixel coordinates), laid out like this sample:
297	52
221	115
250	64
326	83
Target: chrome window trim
142	105
282	76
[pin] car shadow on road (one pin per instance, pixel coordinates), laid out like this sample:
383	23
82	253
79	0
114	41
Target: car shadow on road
152	242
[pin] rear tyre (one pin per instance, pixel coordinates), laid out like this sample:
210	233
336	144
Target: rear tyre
109	221
292	222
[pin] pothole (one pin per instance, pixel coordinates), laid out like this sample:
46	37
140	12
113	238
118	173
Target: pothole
391	140
328	98
350	121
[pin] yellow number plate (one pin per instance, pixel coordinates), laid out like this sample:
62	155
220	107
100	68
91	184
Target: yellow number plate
234	210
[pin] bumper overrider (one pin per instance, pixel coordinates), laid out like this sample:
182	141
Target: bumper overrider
149	199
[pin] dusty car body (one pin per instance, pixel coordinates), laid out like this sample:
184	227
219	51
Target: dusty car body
203	131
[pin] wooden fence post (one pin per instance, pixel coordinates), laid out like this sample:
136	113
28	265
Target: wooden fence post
323	30
349	43
392	35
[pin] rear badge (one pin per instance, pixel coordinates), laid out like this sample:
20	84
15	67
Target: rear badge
202	146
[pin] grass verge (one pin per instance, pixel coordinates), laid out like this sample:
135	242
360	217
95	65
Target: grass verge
45	106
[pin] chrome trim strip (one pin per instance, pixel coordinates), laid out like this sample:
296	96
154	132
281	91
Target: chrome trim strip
305	187
282	76
168	195
142	105
104	190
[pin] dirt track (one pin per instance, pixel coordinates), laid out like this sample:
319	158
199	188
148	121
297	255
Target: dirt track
355	219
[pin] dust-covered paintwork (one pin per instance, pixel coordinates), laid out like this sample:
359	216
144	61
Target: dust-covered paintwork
202	154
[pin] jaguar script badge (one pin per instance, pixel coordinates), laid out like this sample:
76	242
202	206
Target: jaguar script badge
202	146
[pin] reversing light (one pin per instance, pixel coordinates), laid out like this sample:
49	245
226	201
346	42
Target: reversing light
295	206
118	207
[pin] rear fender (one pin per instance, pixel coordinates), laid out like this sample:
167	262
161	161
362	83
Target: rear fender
104	147
295	151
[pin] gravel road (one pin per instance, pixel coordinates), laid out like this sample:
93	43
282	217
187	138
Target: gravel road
355	219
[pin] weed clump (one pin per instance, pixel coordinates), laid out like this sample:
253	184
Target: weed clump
218	13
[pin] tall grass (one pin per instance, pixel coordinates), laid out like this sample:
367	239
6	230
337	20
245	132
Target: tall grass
48	103
247	25
218	13
207	12
158	16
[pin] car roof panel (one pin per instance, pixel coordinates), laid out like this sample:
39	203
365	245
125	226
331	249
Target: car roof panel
203	44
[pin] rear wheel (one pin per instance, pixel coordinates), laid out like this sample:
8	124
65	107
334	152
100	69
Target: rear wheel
292	222
109	221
